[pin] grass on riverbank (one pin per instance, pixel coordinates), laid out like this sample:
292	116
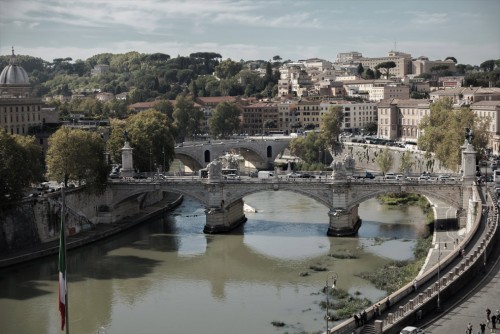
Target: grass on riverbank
342	305
396	274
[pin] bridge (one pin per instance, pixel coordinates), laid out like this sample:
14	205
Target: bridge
261	152
223	199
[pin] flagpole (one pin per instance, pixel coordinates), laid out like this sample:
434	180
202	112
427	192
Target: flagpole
66	273
63	286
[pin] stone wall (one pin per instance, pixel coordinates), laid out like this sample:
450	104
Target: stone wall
37	220
364	155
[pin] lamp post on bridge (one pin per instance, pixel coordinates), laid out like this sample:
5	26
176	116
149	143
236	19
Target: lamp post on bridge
330	276
439	276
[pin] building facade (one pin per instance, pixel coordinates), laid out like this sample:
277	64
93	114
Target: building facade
20	112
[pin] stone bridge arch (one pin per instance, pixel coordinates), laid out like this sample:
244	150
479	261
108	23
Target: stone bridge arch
260	151
323	197
451	195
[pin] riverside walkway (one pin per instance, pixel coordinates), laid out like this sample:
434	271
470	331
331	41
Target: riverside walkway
457	308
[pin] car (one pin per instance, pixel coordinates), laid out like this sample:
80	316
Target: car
294	175
411	330
254	174
307	176
231	177
400	177
390	176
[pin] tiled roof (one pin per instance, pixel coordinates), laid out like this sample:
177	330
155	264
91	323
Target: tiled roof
485	104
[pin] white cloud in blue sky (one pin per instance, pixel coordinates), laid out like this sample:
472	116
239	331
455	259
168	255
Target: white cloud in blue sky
466	29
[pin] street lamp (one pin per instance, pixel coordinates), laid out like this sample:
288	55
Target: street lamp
439	276
330	276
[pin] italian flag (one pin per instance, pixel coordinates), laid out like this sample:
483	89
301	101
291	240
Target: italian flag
62	274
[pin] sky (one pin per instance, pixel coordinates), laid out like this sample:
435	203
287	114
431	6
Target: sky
468	30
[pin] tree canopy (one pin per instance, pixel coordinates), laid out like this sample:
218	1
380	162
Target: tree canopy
20	165
187	117
387	65
385	160
442	132
151	135
331	125
225	120
77	155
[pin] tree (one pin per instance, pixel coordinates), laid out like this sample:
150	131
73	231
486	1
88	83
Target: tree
77	155
227	69
442	132
385	160
269	124
451	58
331	126
152	138
360	69
225	120
307	147
407	163
487	66
387	65
20	165
369	74
371	127
187	117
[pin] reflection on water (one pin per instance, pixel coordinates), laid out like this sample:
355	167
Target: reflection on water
167	276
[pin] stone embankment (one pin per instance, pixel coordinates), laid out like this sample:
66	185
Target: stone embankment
94	233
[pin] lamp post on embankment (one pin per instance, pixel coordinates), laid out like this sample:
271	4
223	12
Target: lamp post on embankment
330	276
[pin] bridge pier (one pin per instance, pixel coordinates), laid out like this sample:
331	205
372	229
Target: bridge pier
224	218
343	222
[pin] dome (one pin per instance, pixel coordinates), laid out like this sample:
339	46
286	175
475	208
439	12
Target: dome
14	74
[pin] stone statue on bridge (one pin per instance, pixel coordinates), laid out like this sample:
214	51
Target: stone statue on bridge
215	170
349	162
469	135
338	170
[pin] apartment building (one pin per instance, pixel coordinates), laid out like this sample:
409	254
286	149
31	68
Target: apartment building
348	57
356	115
402	60
376	90
255	115
466	95
424	65
400	118
490	109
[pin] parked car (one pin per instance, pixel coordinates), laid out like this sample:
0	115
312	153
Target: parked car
294	175
231	177
411	330
254	174
390	176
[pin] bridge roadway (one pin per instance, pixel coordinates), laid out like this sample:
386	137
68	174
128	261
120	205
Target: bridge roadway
223	199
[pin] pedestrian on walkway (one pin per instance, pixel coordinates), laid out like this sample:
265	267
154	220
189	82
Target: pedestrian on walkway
376	310
356	320
483	327
494	321
488	313
388	303
365	317
415	285
469	329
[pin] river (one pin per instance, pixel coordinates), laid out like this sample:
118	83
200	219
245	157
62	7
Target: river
166	276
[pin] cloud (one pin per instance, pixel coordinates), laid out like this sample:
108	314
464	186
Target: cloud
424	18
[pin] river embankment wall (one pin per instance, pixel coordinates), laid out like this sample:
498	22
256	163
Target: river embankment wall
365	156
36	221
